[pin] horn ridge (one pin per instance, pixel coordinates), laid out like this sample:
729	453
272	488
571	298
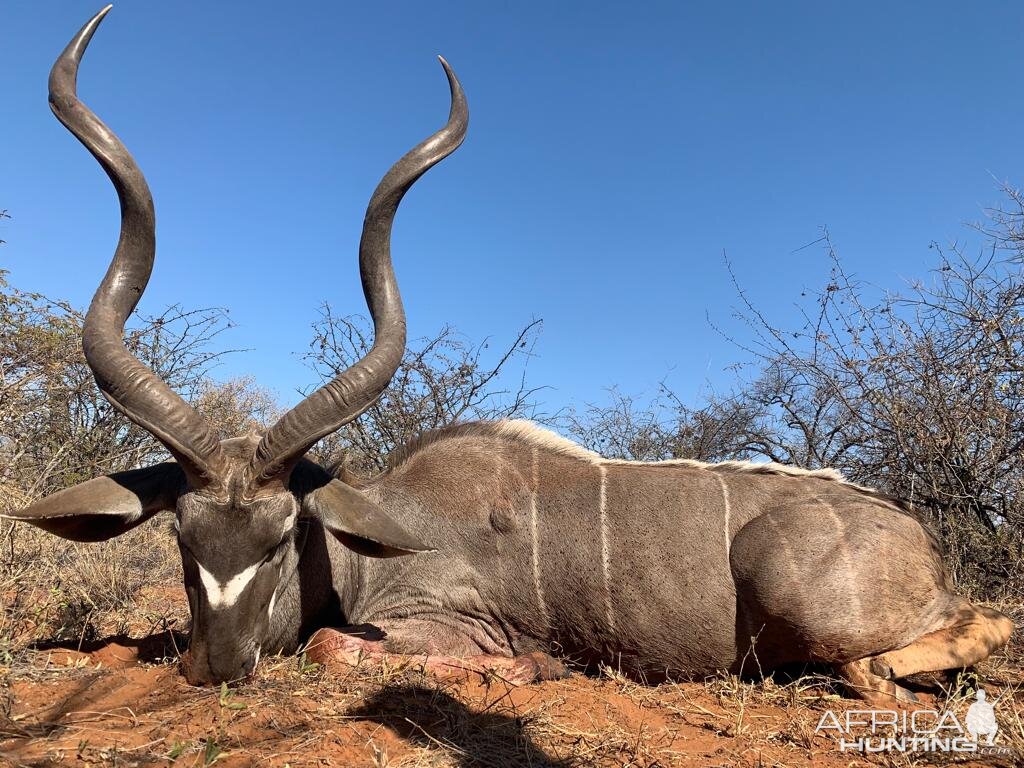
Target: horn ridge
131	387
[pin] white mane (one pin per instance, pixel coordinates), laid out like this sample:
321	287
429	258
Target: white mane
533	434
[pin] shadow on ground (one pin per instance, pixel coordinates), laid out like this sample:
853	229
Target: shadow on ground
151	649
429	717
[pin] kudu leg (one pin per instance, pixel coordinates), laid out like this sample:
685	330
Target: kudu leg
970	635
400	647
874	689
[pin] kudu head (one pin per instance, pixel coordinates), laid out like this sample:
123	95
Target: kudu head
239	504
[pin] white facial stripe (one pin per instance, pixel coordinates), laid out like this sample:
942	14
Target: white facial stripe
224	595
270	609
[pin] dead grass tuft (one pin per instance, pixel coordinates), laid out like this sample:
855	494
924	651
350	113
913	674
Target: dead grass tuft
54	590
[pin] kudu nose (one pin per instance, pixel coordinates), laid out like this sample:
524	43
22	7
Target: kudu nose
196	670
201	669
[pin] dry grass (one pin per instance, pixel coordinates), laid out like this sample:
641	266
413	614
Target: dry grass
54	590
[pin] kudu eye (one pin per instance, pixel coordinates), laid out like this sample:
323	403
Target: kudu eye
273	552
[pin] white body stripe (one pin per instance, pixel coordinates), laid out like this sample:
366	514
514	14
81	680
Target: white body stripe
225	594
535	538
606	552
728	514
854	605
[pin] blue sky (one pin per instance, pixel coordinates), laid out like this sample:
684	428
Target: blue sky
615	151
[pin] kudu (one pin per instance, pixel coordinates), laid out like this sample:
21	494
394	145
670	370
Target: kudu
524	542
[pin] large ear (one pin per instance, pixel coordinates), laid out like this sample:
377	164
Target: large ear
358	522
107	506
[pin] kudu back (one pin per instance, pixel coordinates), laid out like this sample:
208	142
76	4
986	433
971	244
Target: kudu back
516	542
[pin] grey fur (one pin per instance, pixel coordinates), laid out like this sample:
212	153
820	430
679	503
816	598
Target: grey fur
798	569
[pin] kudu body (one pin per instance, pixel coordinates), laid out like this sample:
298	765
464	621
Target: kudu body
524	542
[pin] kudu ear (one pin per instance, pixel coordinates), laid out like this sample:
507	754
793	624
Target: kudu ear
358	522
107	506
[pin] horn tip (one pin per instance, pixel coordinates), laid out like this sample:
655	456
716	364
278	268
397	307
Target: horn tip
447	67
67	63
453	81
100	15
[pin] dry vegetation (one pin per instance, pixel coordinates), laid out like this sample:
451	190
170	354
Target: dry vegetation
920	394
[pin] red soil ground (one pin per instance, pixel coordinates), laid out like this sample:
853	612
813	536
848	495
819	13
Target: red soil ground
122	701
